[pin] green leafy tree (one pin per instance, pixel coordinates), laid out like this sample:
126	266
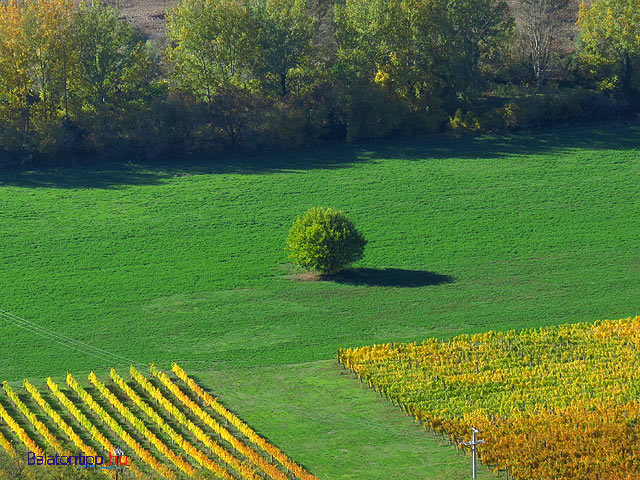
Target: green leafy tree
216	55
113	67
234	109
286	31
465	32
386	42
325	240
415	46
610	42
214	43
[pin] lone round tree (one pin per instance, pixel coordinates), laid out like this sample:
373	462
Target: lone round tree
325	240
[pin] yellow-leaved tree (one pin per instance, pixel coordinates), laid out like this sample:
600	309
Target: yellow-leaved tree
48	28
36	64
15	61
610	42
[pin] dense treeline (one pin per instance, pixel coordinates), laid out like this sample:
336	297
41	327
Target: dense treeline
77	79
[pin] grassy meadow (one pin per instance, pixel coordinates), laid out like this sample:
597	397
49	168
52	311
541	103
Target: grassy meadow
185	262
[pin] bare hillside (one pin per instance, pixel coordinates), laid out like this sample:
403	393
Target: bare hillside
148	16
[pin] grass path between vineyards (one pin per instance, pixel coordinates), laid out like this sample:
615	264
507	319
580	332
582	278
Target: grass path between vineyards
348	432
185	262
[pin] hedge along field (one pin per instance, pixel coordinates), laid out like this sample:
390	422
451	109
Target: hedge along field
186	262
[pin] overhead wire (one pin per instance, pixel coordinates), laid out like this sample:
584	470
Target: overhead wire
64	340
111	357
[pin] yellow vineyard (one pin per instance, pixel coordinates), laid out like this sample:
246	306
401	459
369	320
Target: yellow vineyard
559	403
167	425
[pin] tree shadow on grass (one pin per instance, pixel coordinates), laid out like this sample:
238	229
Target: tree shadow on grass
390	277
108	175
94	173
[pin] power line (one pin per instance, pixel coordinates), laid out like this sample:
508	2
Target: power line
110	357
63	340
59	338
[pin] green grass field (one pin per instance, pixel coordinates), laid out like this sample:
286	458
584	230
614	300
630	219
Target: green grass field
186	263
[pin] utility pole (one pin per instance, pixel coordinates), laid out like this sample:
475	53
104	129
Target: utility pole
474	448
118	452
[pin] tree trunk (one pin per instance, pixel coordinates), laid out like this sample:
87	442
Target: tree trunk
628	71
283	84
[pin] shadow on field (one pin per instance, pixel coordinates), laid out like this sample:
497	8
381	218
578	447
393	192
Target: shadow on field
536	142
390	277
92	173
106	176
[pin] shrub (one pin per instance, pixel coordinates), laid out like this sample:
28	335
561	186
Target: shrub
464	123
541	110
325	240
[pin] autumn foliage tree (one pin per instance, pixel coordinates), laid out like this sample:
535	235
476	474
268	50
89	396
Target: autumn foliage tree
610	41
59	62
48	26
36	61
16	82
